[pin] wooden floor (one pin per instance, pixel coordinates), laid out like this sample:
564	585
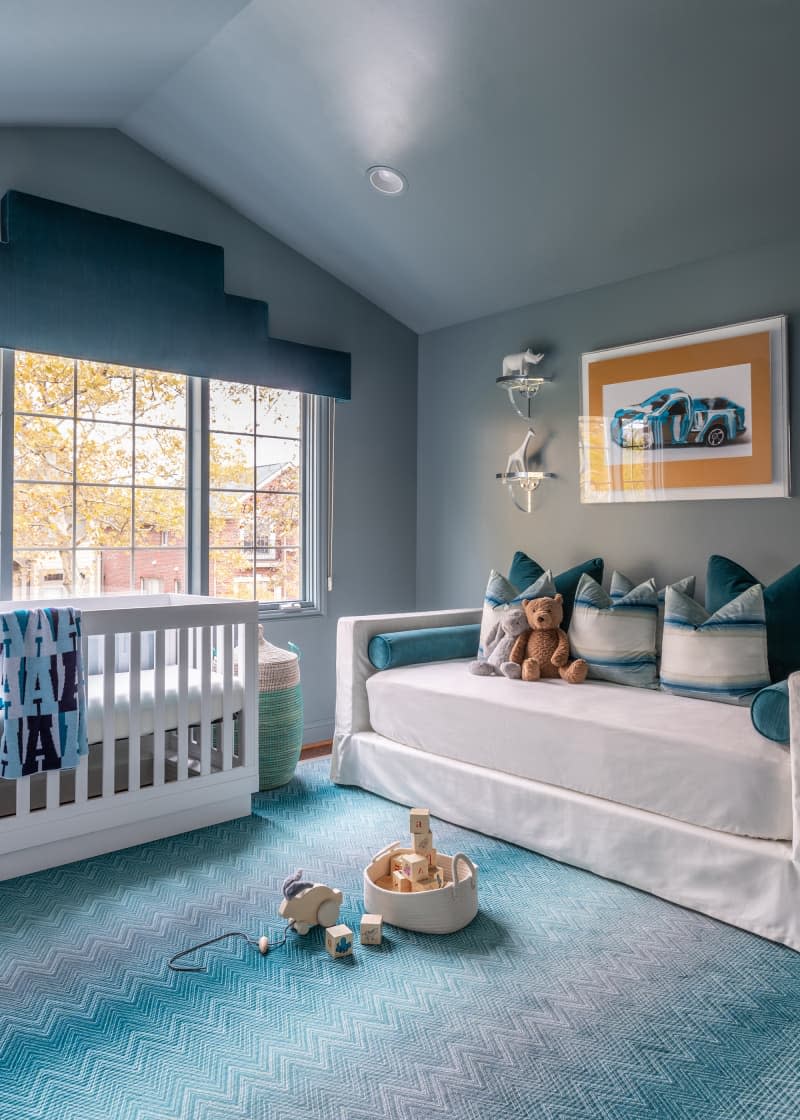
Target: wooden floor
315	750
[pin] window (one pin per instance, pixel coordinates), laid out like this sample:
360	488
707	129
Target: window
255	481
128	479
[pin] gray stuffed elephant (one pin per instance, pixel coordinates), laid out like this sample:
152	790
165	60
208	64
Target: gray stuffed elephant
496	660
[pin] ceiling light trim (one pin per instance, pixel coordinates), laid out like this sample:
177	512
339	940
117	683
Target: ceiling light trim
387	180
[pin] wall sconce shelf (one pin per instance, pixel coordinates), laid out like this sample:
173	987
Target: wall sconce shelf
527	481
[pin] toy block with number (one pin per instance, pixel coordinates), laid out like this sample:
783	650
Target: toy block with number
371	929
401	882
422	842
339	941
420	820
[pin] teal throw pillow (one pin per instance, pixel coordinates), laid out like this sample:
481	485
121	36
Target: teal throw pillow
725	579
525	571
770	712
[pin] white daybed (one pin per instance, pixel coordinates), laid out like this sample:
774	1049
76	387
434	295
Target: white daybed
679	797
172	728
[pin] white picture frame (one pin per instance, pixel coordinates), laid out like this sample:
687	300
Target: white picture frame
691	417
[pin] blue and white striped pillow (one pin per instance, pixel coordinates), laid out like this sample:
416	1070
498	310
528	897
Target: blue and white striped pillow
720	656
617	639
501	595
621	585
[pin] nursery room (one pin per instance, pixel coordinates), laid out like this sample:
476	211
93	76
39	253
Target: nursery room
399	560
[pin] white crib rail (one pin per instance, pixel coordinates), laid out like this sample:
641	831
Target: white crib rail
211	640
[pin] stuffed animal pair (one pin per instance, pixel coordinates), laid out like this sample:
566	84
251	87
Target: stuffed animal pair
529	643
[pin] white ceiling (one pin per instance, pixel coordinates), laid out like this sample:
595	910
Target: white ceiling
549	145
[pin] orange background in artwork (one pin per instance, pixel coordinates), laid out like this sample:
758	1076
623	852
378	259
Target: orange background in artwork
752	349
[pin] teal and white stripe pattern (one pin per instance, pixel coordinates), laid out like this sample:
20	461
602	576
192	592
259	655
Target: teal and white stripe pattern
569	997
617	638
721	656
621	586
501	595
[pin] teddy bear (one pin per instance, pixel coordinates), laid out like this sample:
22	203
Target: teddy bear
500	641
544	650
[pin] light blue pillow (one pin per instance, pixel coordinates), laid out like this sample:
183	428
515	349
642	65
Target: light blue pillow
720	656
621	586
617	638
501	595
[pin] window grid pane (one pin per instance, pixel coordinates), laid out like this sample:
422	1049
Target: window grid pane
110	527
101	491
255	499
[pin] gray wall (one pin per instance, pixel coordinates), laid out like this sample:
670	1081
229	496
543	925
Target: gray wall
466	522
375	508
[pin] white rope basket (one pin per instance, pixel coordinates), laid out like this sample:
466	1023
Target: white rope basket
445	910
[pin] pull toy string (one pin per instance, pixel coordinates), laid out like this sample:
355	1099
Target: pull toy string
263	944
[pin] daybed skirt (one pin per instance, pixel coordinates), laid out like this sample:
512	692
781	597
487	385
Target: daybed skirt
753	884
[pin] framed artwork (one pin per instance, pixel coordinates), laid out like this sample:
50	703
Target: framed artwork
697	416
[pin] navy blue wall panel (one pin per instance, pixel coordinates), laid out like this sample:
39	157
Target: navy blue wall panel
86	285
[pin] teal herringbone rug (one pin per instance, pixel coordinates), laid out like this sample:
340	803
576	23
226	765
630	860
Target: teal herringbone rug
568	997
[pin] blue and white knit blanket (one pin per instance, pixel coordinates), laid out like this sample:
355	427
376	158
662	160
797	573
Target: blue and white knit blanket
42	691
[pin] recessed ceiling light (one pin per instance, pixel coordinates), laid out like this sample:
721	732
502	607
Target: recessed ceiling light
386	180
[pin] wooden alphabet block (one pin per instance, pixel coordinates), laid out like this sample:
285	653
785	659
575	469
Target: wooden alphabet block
371	929
420	820
433	882
401	881
432	857
414	867
422	842
339	941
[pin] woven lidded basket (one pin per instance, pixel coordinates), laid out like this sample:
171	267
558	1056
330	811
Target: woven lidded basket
280	713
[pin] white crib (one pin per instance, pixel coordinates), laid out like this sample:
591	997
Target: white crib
172	720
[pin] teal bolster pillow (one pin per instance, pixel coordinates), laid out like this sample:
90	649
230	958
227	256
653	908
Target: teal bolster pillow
770	712
415	647
726	579
525	571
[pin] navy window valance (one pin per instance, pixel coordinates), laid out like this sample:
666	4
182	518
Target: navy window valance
85	285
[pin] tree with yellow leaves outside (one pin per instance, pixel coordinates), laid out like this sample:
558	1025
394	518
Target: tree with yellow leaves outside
100	472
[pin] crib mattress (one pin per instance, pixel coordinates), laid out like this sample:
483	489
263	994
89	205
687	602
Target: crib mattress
94	690
693	760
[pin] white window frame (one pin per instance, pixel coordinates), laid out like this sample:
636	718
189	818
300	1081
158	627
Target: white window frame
316	453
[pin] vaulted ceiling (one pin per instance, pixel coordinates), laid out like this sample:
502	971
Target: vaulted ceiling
549	145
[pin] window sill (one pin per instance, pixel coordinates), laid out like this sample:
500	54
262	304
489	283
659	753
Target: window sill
275	614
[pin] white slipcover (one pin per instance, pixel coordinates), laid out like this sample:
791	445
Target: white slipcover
694	760
750	883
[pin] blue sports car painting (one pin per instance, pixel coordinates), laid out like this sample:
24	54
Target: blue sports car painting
672	418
